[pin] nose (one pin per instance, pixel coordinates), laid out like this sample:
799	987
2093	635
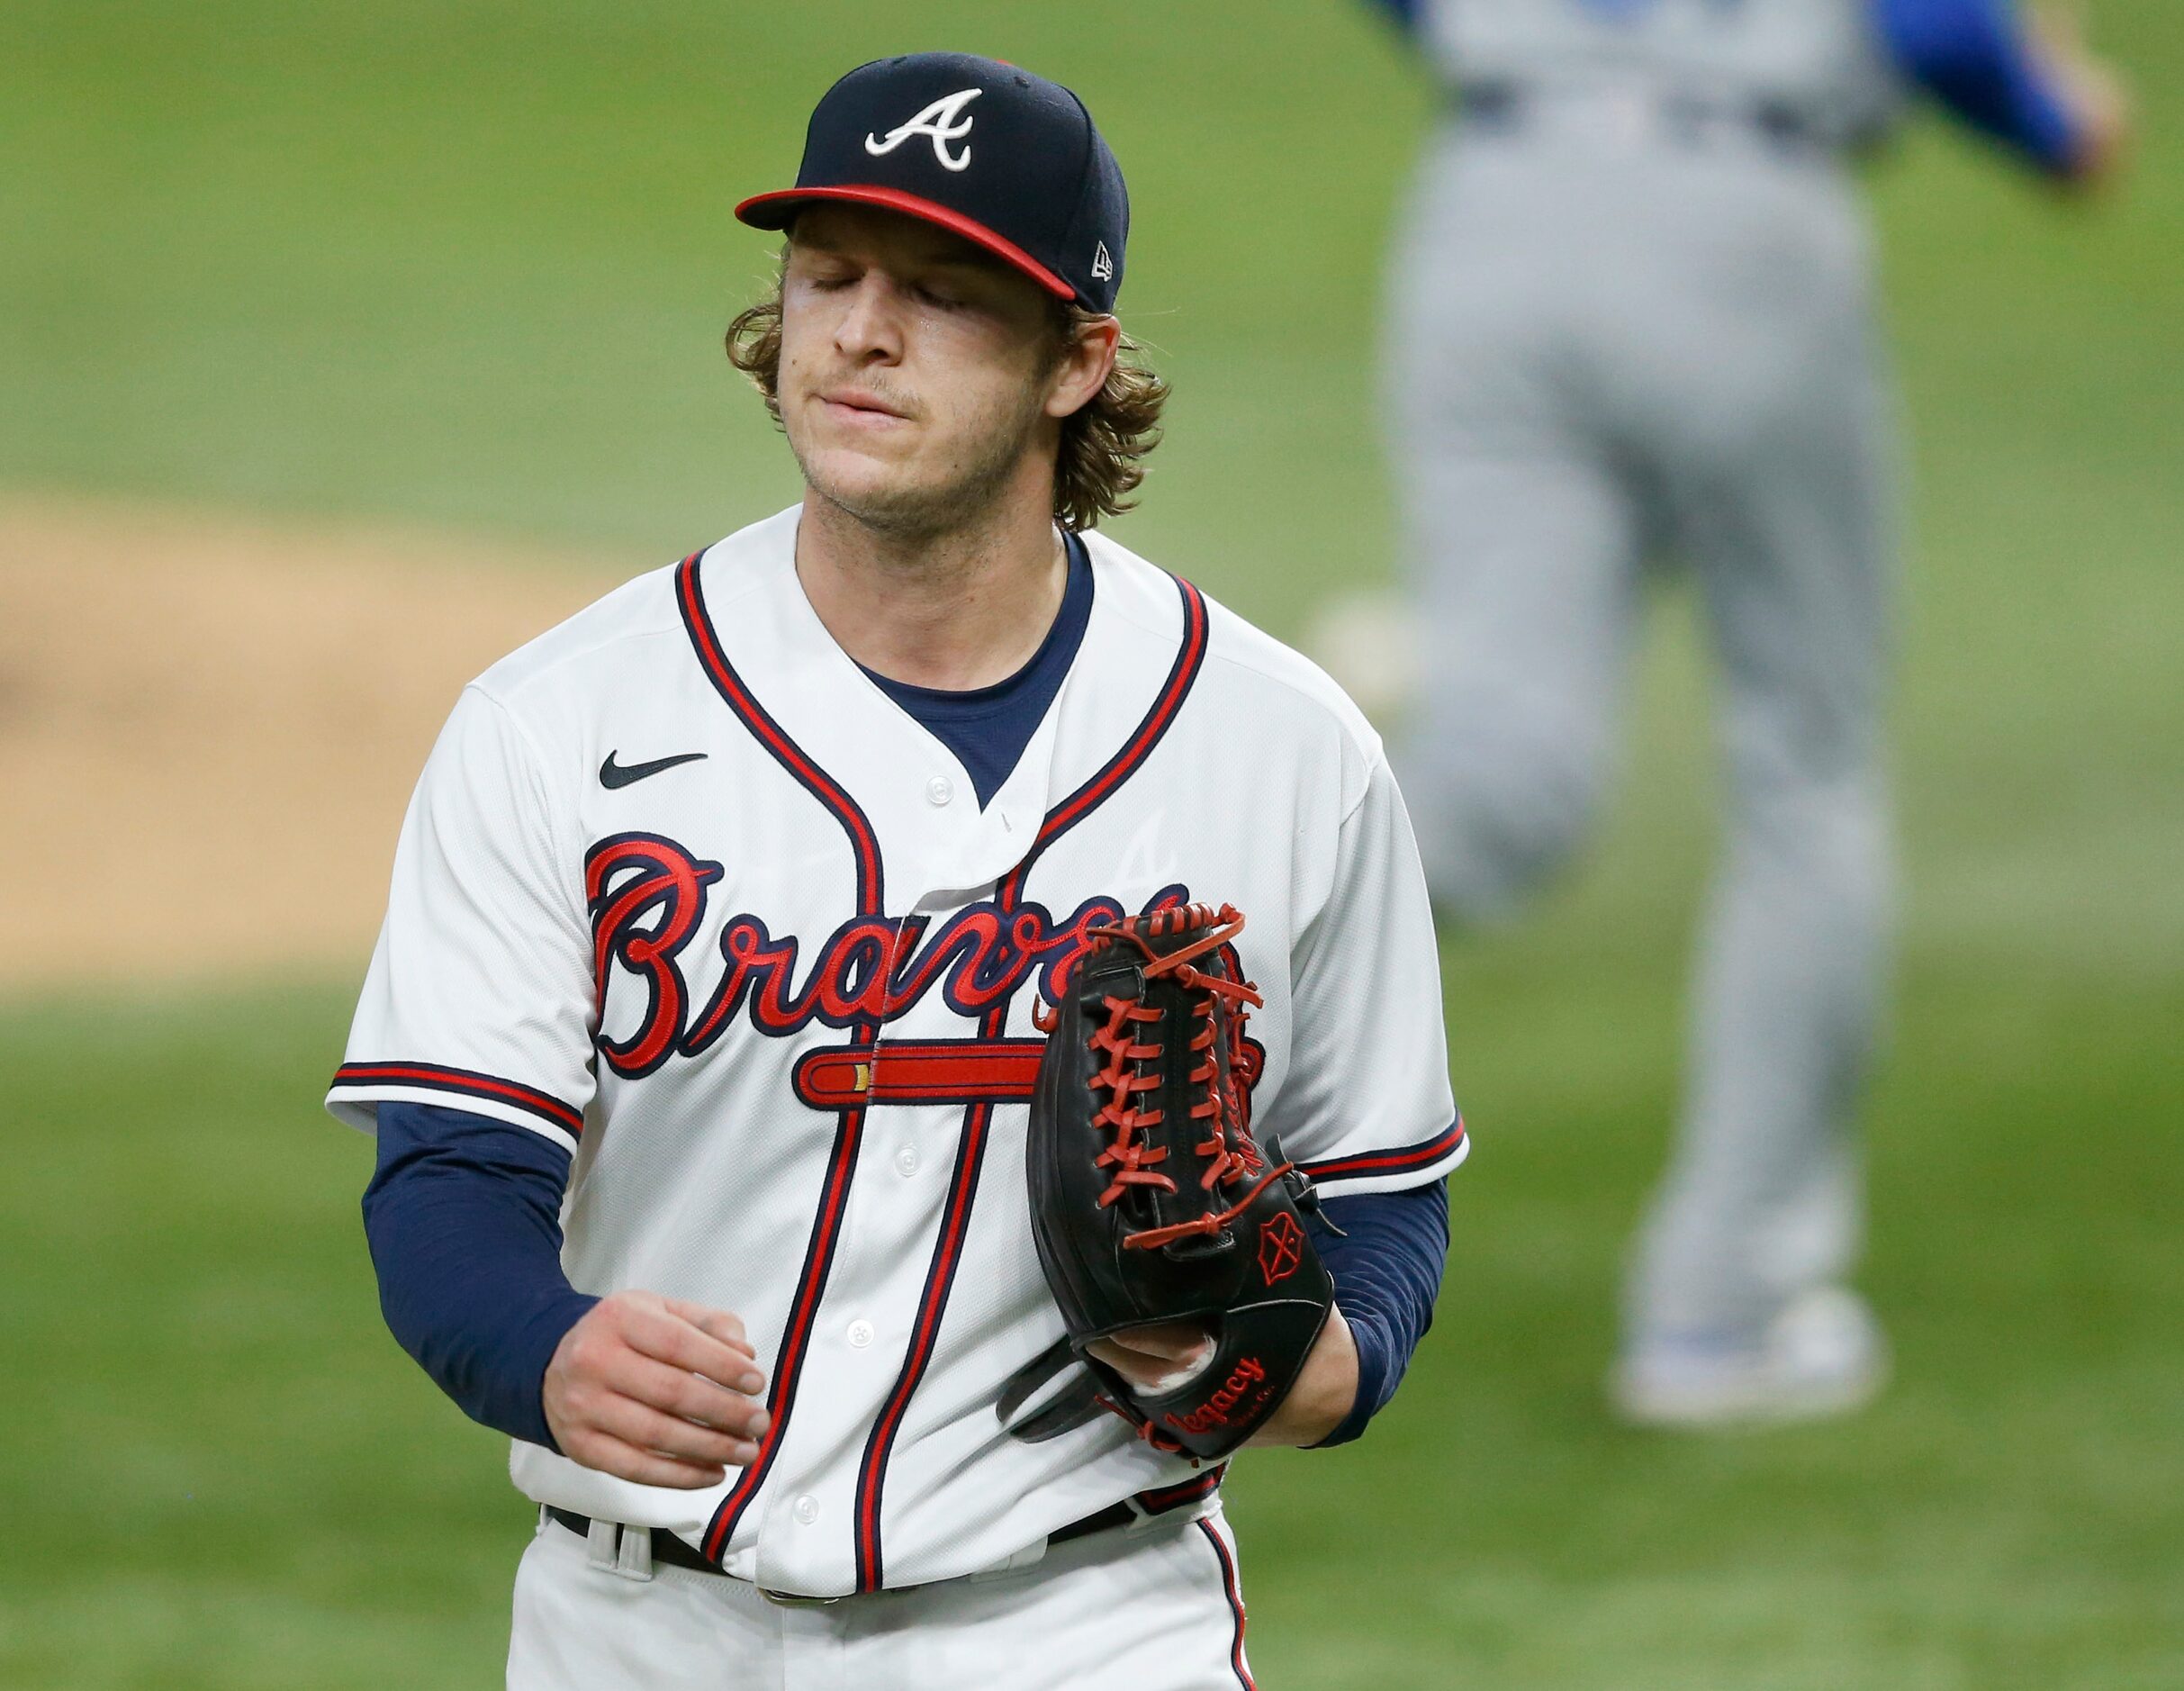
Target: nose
870	329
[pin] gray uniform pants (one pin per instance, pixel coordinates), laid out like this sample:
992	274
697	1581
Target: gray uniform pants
1600	356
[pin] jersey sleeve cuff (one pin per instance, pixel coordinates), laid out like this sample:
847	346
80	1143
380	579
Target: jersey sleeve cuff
1393	1169
1375	1358
359	1086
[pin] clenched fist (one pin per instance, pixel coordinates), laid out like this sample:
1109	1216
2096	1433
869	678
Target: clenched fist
656	1391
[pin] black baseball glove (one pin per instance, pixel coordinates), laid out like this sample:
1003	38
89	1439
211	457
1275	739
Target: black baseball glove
1151	1202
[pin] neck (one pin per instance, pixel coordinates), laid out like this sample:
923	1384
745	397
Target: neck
957	609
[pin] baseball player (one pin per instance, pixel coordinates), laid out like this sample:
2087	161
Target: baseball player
1632	317
725	924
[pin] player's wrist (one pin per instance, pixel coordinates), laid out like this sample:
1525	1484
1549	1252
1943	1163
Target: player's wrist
1325	1392
548	1333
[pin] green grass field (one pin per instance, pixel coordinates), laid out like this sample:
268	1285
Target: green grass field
467	262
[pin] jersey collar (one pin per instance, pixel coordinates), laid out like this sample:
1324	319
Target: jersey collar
938	846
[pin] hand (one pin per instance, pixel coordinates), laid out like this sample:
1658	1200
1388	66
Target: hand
655	1390
2096	97
1162	1356
1157	1358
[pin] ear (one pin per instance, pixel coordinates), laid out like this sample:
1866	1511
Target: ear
1082	368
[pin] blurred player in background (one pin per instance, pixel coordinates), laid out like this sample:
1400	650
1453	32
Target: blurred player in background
1632	315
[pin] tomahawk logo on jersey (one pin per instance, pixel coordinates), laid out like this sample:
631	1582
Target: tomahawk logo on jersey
777	995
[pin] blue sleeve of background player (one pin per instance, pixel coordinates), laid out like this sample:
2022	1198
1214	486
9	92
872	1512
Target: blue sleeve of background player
1975	57
463	1218
1386	1272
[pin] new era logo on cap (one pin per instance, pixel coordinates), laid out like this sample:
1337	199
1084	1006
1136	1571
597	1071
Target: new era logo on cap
1006	159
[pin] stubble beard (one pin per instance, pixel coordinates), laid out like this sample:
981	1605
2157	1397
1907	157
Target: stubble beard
904	509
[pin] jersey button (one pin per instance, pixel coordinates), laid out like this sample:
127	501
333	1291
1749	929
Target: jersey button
860	1333
906	1160
940	790
806	1509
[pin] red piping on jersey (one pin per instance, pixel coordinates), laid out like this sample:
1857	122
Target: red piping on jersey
920	1072
1079	804
789	1364
1395	1162
1229	1589
842	1163
939	1277
786	751
466	1083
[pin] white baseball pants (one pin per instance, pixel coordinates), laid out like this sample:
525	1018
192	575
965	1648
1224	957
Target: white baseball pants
1154	1609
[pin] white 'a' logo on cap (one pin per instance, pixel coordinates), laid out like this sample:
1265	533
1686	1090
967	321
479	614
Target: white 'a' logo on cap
941	121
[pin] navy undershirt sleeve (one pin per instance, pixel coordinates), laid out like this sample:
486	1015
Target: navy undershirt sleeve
463	1218
1387	1271
987	727
1976	58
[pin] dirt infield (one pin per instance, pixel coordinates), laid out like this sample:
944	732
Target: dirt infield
209	727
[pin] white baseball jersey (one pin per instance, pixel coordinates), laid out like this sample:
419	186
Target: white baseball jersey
775	992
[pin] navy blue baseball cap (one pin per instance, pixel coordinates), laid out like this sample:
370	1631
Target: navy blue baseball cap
1008	160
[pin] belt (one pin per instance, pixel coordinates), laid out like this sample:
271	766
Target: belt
1509	105
673	1551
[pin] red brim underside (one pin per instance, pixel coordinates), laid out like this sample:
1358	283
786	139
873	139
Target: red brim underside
773	210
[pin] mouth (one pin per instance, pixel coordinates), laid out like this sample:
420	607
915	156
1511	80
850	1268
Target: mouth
858	407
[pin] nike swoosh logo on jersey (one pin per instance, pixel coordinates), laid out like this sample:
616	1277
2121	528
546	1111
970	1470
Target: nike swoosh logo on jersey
612	774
